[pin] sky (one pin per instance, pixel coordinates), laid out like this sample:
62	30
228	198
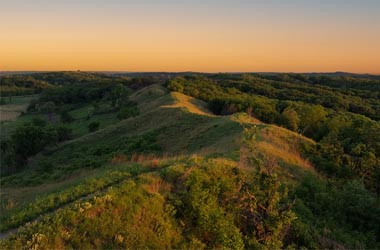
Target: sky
191	35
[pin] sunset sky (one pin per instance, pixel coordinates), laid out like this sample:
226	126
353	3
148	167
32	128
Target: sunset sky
196	35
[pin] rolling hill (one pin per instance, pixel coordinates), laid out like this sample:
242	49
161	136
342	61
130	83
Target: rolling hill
179	126
175	175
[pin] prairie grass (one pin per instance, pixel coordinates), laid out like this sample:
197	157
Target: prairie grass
283	145
190	104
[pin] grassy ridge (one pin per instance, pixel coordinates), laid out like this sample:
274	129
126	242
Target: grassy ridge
169	124
165	126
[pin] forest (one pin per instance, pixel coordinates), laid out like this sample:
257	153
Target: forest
191	161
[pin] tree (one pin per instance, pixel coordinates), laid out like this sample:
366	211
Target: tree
66	117
93	126
118	95
290	119
177	84
48	107
311	118
63	133
28	140
127	112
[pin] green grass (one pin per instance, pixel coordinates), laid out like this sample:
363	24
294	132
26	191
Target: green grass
153	178
79	125
117	212
179	204
165	127
8	127
10	113
47	203
18	100
20	205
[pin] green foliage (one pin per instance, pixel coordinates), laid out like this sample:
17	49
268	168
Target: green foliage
194	203
50	202
21	85
64	133
39	122
118	95
93	126
311	118
46	107
128	112
351	149
290	119
27	141
348	143
264	217
203	211
80	155
66	117
112	220
337	214
225	206
221	206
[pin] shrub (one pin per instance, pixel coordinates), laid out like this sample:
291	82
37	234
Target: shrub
127	112
66	117
93	126
39	122
63	133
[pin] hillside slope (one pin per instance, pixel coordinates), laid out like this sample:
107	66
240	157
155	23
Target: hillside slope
171	128
169	124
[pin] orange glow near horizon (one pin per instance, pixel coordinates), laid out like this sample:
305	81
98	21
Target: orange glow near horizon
157	39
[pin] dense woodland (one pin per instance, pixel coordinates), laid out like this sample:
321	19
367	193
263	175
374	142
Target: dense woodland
194	202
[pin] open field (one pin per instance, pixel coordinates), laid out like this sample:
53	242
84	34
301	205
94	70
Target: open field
12	109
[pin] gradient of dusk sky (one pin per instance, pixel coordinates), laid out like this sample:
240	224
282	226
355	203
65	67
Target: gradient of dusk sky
196	35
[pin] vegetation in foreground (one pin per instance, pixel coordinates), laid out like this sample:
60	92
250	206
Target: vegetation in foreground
112	163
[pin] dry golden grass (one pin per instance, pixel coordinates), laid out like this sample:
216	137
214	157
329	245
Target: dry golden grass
119	159
154	184
283	145
11	112
275	143
191	104
147	160
151	98
245	118
151	161
228	143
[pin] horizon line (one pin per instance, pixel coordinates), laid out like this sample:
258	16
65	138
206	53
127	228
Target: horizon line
189	71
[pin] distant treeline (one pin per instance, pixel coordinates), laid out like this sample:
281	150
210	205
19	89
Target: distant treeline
11	85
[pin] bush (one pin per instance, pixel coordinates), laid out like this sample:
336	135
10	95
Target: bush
93	126
66	117
63	133
127	112
39	122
